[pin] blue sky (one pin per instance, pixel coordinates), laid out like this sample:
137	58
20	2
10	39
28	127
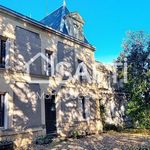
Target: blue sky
107	21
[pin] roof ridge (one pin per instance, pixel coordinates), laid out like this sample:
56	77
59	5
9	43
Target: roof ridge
64	3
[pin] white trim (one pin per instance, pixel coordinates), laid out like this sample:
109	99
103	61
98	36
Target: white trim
87	108
43	109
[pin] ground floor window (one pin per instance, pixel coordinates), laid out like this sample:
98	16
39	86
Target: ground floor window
83	108
2	98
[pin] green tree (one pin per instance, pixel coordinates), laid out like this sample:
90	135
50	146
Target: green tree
136	48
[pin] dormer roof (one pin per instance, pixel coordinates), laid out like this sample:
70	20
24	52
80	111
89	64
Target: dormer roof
56	19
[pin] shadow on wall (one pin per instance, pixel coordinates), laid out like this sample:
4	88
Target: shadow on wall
112	108
26	105
71	110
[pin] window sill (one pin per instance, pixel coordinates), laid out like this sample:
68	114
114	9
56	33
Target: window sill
12	132
2	129
1	68
32	75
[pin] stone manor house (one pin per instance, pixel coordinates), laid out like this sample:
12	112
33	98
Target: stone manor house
37	102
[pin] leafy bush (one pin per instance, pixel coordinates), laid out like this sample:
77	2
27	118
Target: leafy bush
6	145
108	127
44	139
75	134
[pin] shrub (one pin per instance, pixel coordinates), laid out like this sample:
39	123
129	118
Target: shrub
44	139
75	134
108	127
6	145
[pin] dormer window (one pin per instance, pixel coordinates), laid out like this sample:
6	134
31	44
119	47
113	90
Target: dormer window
76	32
74	24
69	23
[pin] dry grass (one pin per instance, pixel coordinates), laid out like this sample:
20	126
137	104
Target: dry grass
137	131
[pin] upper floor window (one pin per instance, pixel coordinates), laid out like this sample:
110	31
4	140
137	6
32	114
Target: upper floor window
81	70
82	76
2	110
2	51
48	63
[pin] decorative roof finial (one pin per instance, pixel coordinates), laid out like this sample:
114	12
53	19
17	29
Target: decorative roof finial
64	3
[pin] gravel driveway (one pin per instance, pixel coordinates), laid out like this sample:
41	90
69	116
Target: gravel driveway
107	141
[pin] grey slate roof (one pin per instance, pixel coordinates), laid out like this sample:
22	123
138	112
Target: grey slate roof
54	20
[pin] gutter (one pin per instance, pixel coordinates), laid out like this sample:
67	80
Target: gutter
42	26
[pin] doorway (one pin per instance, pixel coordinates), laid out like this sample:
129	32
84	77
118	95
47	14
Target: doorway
50	114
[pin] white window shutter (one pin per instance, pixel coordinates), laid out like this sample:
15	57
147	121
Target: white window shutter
45	65
52	64
10	52
87	108
8	48
5	112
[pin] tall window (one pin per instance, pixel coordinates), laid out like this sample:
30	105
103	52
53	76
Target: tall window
2	52
81	70
83	108
48	63
2	110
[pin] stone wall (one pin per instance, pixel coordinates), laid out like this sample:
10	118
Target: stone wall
69	109
21	139
16	80
13	28
112	107
112	103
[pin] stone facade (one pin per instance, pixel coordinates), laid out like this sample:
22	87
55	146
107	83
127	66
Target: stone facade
25	112
112	102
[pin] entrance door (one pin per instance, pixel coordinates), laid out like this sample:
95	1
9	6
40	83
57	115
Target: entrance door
50	114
